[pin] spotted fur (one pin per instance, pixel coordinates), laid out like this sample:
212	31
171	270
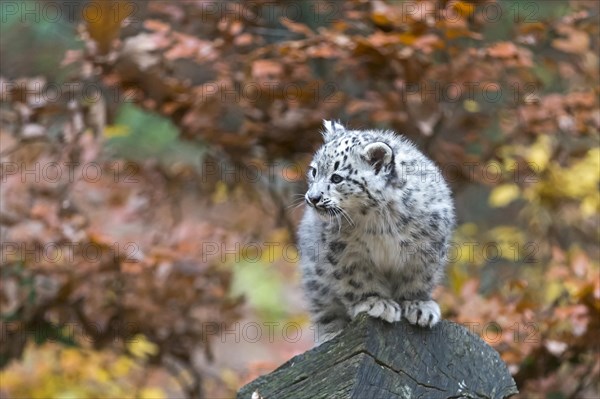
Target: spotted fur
376	232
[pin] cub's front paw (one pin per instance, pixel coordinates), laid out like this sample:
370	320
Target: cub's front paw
422	313
385	309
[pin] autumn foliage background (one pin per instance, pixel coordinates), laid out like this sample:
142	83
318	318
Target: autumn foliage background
153	154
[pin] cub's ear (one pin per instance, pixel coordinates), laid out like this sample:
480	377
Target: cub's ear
378	155
332	129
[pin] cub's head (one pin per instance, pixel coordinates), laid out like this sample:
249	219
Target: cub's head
350	173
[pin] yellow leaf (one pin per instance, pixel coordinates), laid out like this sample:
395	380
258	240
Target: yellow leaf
457	277
68	394
220	195
590	205
468	229
141	347
101	375
503	195
111	131
471	106
230	377
539	153
122	366
554	290
507	242
577	181
507	233
152	393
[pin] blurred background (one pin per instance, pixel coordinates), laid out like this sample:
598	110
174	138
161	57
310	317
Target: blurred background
152	165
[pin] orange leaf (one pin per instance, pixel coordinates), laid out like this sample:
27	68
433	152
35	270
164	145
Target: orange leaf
463	9
380	19
104	20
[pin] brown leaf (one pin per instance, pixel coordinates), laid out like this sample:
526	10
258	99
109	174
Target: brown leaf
297	27
156	25
266	69
503	50
575	42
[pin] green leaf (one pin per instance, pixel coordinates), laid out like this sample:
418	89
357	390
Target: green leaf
260	286
138	134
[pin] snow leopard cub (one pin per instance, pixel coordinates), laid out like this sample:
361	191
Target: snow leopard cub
375	234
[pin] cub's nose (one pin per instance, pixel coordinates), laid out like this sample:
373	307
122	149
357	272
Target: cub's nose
314	198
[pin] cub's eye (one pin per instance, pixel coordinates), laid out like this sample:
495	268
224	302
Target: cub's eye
312	171
335	178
